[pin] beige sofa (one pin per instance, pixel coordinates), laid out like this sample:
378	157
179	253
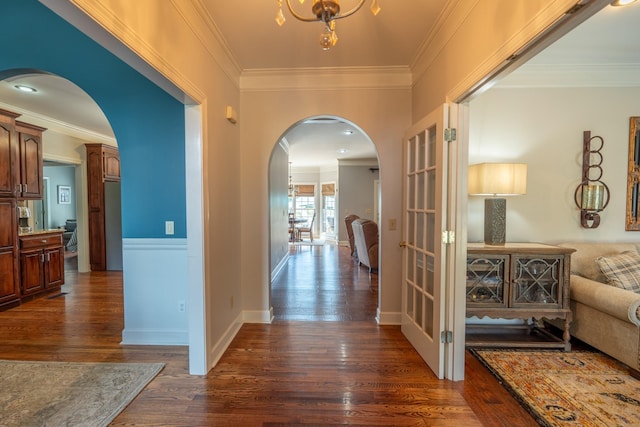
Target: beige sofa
604	316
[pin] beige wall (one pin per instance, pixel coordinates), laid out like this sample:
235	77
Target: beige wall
475	37
543	127
382	114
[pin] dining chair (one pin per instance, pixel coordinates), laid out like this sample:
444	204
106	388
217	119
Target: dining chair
306	229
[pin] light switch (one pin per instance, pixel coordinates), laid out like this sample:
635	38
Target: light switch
168	228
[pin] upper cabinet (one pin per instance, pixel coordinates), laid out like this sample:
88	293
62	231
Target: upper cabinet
8	154
31	170
20	158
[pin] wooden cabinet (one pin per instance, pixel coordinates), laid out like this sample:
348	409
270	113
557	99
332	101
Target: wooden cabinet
103	165
9	165
41	263
30	155
519	281
21	177
9	280
20	158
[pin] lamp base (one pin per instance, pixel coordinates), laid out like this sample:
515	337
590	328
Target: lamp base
495	221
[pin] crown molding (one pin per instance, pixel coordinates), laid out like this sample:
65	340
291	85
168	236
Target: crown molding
576	75
60	126
340	78
450	19
213	41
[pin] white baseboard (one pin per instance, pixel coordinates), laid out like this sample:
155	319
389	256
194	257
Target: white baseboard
223	343
258	316
281	265
388	318
154	337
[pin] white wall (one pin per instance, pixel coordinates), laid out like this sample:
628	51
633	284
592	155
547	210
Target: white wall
543	127
355	193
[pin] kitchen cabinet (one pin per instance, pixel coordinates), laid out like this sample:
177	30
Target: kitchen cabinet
30	158
41	262
518	281
103	165
9	166
9	279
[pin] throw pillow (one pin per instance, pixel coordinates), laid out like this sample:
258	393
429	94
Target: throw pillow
622	270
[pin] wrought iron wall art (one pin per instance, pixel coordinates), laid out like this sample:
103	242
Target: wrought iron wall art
592	195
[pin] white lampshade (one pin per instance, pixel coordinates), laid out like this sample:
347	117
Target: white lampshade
498	179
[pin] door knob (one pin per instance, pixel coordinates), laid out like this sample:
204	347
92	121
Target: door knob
402	244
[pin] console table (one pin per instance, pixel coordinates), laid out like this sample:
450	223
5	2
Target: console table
518	281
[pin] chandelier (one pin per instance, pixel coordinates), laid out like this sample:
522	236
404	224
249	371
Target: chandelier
326	11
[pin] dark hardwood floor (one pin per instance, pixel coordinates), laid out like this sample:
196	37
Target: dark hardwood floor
323	361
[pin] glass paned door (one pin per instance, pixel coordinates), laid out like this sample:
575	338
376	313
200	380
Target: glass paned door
423	278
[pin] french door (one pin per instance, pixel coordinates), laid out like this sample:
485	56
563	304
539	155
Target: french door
426	235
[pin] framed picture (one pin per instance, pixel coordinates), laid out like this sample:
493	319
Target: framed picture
64	195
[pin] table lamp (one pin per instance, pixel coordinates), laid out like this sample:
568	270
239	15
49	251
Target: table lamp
496	180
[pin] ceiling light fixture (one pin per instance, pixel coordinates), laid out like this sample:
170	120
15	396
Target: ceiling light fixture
326	11
348	132
25	88
622	2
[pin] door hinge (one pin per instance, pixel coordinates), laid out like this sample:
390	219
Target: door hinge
448	237
450	134
446	337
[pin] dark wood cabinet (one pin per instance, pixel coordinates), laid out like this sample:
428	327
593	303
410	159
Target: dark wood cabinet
9	165
30	155
9	279
103	165
41	263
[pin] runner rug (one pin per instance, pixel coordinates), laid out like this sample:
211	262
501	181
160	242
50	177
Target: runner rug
567	388
69	394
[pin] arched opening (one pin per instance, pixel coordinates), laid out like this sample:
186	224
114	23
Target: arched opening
72	119
321	169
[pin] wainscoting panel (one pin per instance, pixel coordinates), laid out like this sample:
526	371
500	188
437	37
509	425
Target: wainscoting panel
155	292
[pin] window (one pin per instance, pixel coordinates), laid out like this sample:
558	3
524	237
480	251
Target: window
328	208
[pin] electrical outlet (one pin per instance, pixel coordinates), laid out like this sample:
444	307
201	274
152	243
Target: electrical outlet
182	306
168	228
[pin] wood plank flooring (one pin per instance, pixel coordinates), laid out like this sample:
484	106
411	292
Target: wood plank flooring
322	362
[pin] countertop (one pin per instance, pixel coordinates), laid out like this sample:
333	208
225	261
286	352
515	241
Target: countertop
38	232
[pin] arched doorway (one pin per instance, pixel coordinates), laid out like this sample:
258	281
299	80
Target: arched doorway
72	119
326	166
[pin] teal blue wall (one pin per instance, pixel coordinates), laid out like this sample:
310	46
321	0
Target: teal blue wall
148	123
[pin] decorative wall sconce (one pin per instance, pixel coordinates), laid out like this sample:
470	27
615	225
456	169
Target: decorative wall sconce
592	195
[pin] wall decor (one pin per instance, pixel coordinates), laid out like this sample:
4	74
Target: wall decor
64	195
632	222
592	195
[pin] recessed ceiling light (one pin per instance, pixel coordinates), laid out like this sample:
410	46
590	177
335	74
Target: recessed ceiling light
622	2
348	132
25	88
342	150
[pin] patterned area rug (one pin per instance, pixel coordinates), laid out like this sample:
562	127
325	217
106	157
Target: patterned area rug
567	389
69	394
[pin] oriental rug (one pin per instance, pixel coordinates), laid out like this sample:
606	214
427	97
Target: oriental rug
69	394
577	388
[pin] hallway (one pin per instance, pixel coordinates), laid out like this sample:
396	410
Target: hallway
316	372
